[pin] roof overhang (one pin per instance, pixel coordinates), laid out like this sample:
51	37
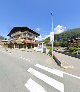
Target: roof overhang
22	29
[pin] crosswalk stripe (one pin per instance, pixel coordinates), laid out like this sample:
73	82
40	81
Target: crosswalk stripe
52	82
32	86
53	71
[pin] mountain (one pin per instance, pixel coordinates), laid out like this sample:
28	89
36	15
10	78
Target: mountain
69	34
63	37
2	38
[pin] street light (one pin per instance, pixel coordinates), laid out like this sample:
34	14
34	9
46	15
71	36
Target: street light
52	34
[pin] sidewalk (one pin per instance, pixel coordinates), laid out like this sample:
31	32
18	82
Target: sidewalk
70	64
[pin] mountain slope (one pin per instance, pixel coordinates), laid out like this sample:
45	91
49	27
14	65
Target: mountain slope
2	38
69	34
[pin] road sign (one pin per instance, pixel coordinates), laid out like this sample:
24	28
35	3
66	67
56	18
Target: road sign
52	37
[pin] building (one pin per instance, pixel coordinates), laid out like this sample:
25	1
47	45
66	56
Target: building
23	37
74	42
4	43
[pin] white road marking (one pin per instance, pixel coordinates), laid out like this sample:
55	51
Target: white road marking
10	53
52	82
26	59
57	71
53	71
32	86
71	75
29	60
21	57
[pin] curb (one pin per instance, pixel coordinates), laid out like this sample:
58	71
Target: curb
59	63
57	60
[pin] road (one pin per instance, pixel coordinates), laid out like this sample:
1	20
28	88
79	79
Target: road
26	71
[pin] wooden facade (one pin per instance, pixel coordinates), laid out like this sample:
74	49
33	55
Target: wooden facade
22	37
74	42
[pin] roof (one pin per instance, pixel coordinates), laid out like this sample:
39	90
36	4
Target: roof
77	38
73	39
22	29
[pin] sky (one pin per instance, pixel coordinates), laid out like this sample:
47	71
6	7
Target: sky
36	14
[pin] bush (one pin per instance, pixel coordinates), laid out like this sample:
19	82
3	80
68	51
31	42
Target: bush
74	53
57	44
50	51
73	49
62	44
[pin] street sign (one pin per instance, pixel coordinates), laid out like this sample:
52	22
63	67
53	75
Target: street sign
51	36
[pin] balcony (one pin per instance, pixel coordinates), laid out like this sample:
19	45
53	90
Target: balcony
17	33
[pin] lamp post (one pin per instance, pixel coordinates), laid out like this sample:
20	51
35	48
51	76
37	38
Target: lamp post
52	34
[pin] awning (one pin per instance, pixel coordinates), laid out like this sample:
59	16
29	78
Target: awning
22	41
29	41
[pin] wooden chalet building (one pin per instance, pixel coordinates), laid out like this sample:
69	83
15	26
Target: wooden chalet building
74	42
23	37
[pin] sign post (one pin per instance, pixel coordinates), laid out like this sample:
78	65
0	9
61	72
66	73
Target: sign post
52	40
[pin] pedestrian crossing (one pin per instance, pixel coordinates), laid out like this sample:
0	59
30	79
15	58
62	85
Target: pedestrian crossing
53	71
33	86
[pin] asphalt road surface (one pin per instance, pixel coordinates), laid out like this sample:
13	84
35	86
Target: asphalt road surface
33	72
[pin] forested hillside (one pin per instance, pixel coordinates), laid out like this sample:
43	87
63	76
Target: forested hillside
2	38
69	34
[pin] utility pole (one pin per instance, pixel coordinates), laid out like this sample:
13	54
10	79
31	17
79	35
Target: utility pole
52	34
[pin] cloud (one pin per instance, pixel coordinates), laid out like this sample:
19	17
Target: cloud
38	29
40	38
59	29
46	36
